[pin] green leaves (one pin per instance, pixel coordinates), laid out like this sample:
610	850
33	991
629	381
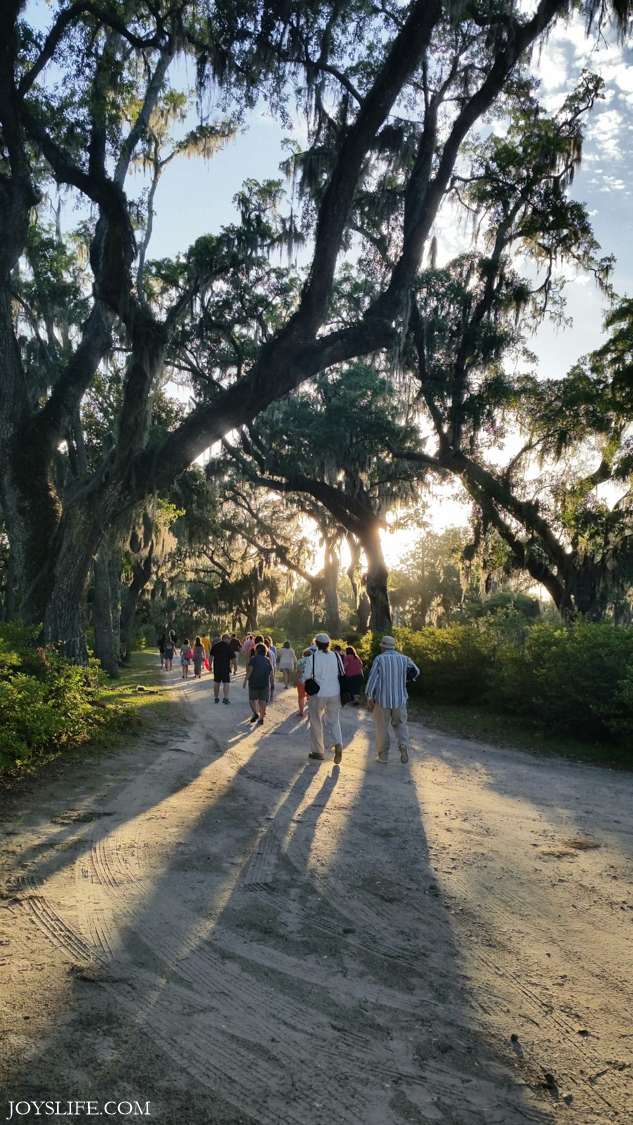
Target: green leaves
45	702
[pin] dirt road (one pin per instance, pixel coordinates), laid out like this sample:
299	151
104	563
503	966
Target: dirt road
213	924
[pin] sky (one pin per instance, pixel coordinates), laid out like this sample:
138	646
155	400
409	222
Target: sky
195	197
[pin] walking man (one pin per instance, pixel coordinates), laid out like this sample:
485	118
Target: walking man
221	655
324	667
386	693
257	679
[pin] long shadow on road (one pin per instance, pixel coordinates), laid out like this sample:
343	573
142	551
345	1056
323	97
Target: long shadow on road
273	933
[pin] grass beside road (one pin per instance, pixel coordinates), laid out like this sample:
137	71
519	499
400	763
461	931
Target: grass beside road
140	699
482	724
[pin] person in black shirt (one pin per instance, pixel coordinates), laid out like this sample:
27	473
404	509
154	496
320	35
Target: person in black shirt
221	656
258	674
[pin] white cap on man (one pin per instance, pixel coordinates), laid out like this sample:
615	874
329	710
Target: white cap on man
322	638
388	642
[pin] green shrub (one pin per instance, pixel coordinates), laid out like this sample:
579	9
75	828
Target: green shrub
454	663
45	702
573	679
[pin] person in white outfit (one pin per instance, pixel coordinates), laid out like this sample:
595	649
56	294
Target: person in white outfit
286	661
324	667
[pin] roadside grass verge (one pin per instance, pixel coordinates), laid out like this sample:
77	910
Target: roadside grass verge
482	724
139	700
129	707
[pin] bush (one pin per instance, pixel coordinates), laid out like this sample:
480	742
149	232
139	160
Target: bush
46	703
574	679
454	663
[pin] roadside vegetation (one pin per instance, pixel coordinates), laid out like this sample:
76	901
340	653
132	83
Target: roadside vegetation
545	686
49	706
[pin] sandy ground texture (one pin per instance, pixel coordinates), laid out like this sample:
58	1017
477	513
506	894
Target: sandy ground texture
212	923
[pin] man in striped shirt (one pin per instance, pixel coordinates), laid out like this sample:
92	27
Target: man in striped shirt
386	693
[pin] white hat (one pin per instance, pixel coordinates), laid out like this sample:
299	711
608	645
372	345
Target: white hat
388	642
322	638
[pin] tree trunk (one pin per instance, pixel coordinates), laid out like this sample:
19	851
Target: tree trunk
102	614
9	597
29	504
376	581
363	611
71	553
329	586
114	572
354	566
141	573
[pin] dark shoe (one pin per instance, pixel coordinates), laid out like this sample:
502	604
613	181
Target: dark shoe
260	722
254	718
317	757
225	700
338	754
404	754
217	699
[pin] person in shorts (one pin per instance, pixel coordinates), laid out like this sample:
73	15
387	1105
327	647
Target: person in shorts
221	655
257	678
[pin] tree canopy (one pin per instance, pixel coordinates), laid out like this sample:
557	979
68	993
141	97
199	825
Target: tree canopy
390	98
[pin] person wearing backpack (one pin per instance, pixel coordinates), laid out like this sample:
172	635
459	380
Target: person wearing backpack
323	669
257	679
168	653
186	656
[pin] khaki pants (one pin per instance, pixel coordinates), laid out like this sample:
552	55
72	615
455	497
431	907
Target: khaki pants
397	716
324	710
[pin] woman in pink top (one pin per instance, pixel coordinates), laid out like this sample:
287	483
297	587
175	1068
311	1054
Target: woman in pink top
354	672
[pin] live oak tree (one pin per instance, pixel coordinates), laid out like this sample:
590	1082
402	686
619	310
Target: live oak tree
274	525
468	330
325	446
580	427
388	93
427	588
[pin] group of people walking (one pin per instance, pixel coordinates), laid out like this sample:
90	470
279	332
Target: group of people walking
325	678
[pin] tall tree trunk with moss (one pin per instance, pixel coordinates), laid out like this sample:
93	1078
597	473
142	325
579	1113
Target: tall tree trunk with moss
141	574
376	580
105	648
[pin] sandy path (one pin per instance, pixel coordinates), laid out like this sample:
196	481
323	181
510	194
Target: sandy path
212	923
